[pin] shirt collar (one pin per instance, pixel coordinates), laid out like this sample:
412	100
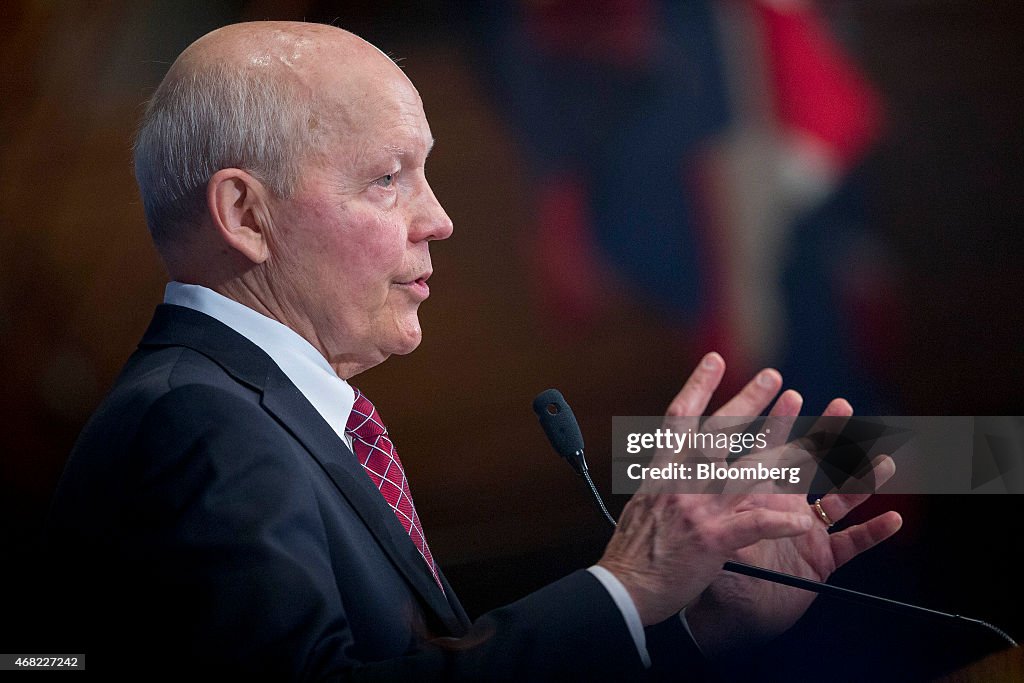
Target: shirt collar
307	369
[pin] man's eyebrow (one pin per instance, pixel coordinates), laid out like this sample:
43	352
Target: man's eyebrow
398	150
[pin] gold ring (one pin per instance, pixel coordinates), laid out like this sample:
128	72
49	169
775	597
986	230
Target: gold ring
824	515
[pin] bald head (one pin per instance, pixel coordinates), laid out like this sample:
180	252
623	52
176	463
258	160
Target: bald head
259	96
309	55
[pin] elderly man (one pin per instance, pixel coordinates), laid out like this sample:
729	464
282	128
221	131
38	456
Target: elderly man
236	504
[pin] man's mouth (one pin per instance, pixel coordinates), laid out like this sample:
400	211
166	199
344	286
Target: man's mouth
418	286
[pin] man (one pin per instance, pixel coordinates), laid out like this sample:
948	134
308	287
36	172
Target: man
226	507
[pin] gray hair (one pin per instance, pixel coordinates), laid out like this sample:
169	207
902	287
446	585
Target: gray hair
221	116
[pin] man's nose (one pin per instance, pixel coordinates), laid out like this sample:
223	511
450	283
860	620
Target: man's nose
431	222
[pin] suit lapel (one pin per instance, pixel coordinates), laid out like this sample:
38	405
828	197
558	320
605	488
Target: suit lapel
179	326
453	602
283	400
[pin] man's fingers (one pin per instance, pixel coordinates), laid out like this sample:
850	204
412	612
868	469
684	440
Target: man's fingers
691	402
819	439
838	407
855	491
780	419
751	526
750	402
693	398
788	404
849	543
837	505
755	396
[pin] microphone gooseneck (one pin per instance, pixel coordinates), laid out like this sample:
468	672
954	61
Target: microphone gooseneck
563	432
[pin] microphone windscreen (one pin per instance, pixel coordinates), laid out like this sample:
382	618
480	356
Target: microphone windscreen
558	422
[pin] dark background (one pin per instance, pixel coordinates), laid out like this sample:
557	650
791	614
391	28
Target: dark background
79	279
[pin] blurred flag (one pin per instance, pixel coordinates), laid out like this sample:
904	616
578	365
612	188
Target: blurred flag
802	118
698	155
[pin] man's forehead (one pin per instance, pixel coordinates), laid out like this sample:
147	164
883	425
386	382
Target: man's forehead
385	106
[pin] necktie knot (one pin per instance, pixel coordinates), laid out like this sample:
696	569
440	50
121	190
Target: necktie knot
364	421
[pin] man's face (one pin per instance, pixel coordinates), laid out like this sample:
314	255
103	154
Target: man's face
350	249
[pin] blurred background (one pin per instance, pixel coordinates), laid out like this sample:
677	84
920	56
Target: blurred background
830	188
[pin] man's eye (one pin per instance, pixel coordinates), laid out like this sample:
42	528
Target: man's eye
385	180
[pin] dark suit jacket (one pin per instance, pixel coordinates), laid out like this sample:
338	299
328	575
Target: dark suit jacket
209	518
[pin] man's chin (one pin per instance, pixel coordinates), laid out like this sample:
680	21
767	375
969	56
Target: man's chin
407	349
409	340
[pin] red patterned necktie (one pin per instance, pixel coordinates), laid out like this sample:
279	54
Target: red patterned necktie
373	447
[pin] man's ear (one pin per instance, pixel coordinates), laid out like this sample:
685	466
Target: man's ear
237	205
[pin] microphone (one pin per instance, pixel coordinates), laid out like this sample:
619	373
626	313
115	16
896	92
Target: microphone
559	424
563	432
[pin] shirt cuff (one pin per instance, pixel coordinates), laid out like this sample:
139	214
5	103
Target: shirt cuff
629	612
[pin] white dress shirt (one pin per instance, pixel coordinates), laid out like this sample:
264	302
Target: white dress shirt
333	397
